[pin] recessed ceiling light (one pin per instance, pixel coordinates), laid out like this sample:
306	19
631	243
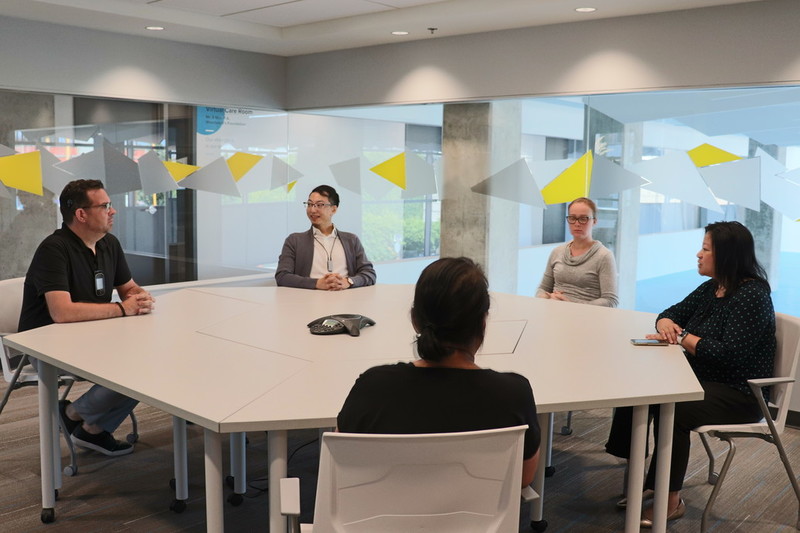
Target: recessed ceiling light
585	9
154	28
399	33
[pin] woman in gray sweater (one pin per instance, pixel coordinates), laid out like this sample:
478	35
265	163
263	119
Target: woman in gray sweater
581	270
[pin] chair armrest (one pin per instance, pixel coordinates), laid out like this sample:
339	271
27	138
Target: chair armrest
290	496
528	494
290	502
766	382
757	385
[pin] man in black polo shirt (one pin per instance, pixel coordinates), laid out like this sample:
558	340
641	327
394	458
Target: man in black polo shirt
70	279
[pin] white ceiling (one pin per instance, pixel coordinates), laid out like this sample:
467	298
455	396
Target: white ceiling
294	27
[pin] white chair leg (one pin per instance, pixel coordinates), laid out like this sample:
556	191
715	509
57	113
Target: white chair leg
712	475
566	429
718	485
12	384
776	439
133	436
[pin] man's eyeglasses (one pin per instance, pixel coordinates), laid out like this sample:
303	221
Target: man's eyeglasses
107	206
318	205
572	219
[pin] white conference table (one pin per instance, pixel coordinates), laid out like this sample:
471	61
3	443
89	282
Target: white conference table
241	359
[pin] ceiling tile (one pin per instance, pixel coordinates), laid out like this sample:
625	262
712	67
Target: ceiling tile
309	11
215	7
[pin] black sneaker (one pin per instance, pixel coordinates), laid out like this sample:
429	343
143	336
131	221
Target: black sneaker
103	442
67	424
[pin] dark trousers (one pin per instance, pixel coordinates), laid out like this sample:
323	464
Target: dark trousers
722	405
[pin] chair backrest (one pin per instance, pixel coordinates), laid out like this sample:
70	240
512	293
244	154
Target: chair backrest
787	333
442	482
10	308
10	304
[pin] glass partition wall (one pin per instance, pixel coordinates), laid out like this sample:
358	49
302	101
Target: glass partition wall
204	193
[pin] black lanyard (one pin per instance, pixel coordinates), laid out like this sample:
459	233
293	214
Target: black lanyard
327	253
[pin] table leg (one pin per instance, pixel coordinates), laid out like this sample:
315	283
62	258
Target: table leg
546	428
48	433
636	461
549	456
57	472
180	459
277	454
238	466
665	429
213	463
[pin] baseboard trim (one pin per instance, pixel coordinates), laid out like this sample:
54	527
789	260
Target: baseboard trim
793	419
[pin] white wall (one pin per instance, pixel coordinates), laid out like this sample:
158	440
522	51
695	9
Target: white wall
41	57
744	44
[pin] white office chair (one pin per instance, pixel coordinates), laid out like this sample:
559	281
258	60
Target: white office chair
769	428
440	482
17	369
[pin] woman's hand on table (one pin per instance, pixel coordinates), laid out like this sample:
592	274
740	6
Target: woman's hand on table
667	331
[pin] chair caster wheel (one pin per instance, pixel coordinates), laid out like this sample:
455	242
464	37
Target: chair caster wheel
566	430
172	483
48	515
549	471
235	499
178	506
132	438
538	525
70	471
713	478
229	482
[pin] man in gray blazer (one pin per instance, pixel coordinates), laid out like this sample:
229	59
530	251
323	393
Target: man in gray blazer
323	257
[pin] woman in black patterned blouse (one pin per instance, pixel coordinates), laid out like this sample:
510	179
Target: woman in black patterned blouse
726	328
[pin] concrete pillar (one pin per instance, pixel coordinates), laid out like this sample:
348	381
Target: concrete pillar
479	139
627	245
765	224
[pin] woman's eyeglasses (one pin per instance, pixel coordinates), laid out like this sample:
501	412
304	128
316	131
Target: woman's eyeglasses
572	219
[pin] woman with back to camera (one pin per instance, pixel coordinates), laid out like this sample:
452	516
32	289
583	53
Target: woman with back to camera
581	270
726	328
444	390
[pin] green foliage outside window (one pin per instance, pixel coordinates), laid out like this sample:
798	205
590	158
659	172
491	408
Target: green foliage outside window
397	231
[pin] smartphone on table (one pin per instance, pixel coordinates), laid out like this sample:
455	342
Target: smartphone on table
649	342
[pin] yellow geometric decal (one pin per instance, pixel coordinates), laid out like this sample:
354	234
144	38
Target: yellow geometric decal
178	171
23	172
240	164
393	170
290	186
706	154
573	183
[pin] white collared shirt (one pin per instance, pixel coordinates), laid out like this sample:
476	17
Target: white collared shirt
326	246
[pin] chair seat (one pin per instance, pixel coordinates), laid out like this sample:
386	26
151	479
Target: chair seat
756	427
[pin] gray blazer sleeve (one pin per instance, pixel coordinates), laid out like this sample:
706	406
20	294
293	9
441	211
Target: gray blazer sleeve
358	266
294	263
